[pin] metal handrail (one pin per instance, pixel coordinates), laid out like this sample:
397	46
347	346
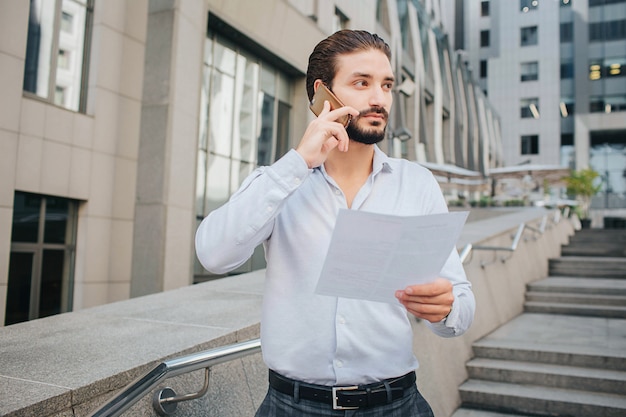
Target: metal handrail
516	239
169	369
542	227
469	248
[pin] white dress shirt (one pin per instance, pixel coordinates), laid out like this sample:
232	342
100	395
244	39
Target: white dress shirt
292	210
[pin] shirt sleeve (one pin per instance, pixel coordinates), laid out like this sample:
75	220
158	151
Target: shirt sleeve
462	314
464	306
227	237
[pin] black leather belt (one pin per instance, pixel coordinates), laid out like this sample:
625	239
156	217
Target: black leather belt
345	398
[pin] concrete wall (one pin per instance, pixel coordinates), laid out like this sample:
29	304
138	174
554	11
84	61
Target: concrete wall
46	149
69	364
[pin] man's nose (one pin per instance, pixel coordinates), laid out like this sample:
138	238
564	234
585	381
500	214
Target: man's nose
377	97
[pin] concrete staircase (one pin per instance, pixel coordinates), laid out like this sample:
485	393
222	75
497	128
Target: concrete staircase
566	354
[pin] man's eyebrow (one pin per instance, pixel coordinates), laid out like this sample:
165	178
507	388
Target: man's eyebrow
366	75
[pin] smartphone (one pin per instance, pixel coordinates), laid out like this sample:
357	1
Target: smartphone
322	94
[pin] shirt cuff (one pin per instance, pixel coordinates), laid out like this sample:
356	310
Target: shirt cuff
289	171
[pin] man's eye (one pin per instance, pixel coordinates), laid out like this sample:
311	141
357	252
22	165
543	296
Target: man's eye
361	83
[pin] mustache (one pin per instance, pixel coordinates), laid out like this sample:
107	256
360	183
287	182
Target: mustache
380	110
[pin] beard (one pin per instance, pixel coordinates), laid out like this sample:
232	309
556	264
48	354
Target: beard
367	136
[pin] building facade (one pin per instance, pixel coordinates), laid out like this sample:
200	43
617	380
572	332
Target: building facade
556	72
125	122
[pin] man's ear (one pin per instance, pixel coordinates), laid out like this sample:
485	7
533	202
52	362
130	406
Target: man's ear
316	84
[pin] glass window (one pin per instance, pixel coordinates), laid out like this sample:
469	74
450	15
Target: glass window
41	263
484	8
604	2
529	108
530	145
340	20
529	71
567	139
615	67
67	22
483	68
244	123
607	68
56	47
528	5
567	69
607	31
566	107
405	35
484	38
607	104
382	14
529	36
567	32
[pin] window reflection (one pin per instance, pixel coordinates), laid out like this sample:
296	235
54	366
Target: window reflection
607	68
529	71
244	123
529	36
54	65
221	114
529	108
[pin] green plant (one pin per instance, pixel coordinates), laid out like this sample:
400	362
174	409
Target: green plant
583	185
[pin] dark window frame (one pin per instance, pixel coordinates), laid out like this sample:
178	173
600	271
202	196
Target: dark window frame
528	75
485	38
529	36
47	234
529	144
484	8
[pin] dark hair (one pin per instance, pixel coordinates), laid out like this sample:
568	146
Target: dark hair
323	59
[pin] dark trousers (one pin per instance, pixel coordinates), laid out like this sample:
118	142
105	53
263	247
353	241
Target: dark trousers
277	404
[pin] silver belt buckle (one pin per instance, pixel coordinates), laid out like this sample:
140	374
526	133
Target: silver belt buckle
339	407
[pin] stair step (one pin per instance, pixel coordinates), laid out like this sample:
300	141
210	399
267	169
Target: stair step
587	286
466	412
595	249
540	400
572	363
557	376
588	267
599	235
551	355
615	312
576	298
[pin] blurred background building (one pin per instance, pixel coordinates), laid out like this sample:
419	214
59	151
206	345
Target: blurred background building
555	70
125	122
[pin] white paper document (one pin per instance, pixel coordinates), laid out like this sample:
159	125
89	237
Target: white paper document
371	255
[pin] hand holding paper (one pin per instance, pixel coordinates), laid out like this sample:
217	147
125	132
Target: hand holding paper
432	301
371	255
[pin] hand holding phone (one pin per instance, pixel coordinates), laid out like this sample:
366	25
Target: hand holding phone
322	94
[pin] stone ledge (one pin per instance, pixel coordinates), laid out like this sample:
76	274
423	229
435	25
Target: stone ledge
52	364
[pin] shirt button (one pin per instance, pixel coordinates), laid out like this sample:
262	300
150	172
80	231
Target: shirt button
297	180
269	208
338	192
342	320
339	364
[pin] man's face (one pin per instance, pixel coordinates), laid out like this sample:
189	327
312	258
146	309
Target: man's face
364	80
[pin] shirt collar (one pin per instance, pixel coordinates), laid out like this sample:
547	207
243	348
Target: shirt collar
381	161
